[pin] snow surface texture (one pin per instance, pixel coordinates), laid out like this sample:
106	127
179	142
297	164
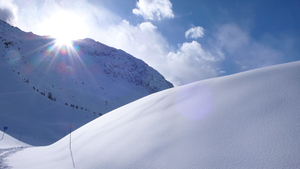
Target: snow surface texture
7	141
246	120
8	146
44	88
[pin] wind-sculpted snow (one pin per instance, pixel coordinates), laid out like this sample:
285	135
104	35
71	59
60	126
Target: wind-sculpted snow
246	120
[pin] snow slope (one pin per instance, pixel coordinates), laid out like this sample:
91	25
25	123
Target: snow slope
85	80
7	141
246	120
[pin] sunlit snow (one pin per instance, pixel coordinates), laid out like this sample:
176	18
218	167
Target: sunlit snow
249	120
246	120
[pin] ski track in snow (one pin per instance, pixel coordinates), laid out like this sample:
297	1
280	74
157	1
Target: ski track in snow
6	152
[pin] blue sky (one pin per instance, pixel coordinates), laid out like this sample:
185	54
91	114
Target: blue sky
186	41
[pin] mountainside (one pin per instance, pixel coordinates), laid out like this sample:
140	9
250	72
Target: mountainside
246	120
45	87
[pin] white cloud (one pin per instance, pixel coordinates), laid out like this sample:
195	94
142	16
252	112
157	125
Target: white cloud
187	64
8	11
246	52
191	63
147	26
142	41
34	15
195	32
154	9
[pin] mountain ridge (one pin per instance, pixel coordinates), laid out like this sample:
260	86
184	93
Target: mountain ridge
88	78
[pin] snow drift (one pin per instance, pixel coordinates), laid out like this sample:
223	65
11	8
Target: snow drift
246	120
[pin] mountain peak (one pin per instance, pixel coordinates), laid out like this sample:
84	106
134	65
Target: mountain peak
87	78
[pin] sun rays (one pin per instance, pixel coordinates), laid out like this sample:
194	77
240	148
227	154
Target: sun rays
68	53
60	50
64	29
68	59
64	26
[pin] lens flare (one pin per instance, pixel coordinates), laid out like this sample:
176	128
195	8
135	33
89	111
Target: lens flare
194	103
63	50
13	56
53	57
64	68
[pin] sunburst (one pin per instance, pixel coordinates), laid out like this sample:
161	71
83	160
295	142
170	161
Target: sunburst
65	27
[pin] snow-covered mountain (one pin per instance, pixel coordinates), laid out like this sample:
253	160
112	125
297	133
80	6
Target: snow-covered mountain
246	120
45	87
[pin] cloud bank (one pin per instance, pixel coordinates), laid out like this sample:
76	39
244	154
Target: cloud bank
8	12
154	9
191	63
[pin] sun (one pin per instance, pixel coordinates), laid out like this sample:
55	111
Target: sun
65	27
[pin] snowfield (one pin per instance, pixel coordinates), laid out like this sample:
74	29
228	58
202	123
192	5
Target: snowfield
246	120
7	141
9	146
